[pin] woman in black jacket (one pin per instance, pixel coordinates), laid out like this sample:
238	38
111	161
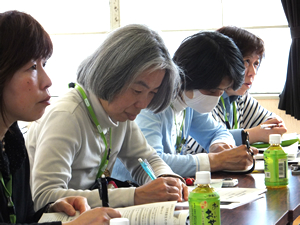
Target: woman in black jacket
24	49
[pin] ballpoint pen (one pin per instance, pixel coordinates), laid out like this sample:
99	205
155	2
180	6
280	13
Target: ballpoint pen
248	146
103	191
245	141
249	150
147	168
270	126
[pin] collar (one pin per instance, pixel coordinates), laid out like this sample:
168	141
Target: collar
178	105
231	98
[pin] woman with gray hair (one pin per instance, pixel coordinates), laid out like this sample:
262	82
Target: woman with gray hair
88	128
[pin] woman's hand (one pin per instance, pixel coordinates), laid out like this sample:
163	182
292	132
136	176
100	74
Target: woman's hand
237	158
257	134
220	146
96	216
70	205
161	189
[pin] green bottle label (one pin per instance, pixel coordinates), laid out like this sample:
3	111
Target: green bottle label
276	167
204	209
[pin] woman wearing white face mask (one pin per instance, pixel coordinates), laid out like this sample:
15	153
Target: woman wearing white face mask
211	63
237	110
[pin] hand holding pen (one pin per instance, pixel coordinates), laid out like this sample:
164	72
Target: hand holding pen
261	132
272	122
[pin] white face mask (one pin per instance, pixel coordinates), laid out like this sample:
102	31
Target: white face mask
200	102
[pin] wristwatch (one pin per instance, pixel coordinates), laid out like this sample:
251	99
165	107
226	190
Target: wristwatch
245	137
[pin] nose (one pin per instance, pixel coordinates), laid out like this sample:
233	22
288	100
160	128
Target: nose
46	81
142	102
219	93
250	70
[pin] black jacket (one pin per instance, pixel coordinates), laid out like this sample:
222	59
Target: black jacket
20	184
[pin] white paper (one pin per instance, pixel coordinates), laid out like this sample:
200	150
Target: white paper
155	213
147	214
59	216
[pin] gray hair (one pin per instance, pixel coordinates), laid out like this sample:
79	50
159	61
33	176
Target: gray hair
125	54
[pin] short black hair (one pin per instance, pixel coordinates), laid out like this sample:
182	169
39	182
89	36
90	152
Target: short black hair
206	58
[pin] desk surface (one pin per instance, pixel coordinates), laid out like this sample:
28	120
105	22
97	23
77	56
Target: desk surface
281	206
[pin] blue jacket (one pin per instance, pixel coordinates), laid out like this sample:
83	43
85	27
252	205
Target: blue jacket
157	129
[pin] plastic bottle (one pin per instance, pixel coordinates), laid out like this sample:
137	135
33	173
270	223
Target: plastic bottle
204	202
276	164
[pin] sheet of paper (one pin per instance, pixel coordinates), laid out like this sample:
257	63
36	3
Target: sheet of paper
49	217
155	213
147	214
259	166
239	194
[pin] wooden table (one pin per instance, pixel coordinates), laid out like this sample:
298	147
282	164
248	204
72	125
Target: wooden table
281	206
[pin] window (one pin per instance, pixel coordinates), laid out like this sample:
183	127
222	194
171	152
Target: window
77	28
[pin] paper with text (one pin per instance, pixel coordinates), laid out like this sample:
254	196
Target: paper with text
155	213
59	216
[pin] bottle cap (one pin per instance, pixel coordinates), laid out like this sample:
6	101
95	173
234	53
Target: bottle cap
274	139
119	221
202	177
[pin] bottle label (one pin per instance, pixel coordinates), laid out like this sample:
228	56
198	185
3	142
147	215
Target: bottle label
281	168
275	169
205	212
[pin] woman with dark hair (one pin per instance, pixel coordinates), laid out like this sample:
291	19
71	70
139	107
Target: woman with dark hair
237	110
87	129
211	63
25	48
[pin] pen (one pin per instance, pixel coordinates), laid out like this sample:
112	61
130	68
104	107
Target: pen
246	142
270	126
146	166
103	191
149	166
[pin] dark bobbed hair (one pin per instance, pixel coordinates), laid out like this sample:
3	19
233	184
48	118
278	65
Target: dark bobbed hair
126	53
247	42
206	58
22	39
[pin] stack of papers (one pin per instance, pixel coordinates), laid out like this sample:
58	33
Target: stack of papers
233	197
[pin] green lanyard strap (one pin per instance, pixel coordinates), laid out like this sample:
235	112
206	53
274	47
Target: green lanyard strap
8	194
105	159
234	114
179	140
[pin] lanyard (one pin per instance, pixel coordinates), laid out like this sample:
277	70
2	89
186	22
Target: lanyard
234	114
179	140
8	194
104	161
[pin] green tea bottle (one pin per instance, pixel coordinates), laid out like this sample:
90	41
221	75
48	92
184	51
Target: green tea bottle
276	164
204	202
